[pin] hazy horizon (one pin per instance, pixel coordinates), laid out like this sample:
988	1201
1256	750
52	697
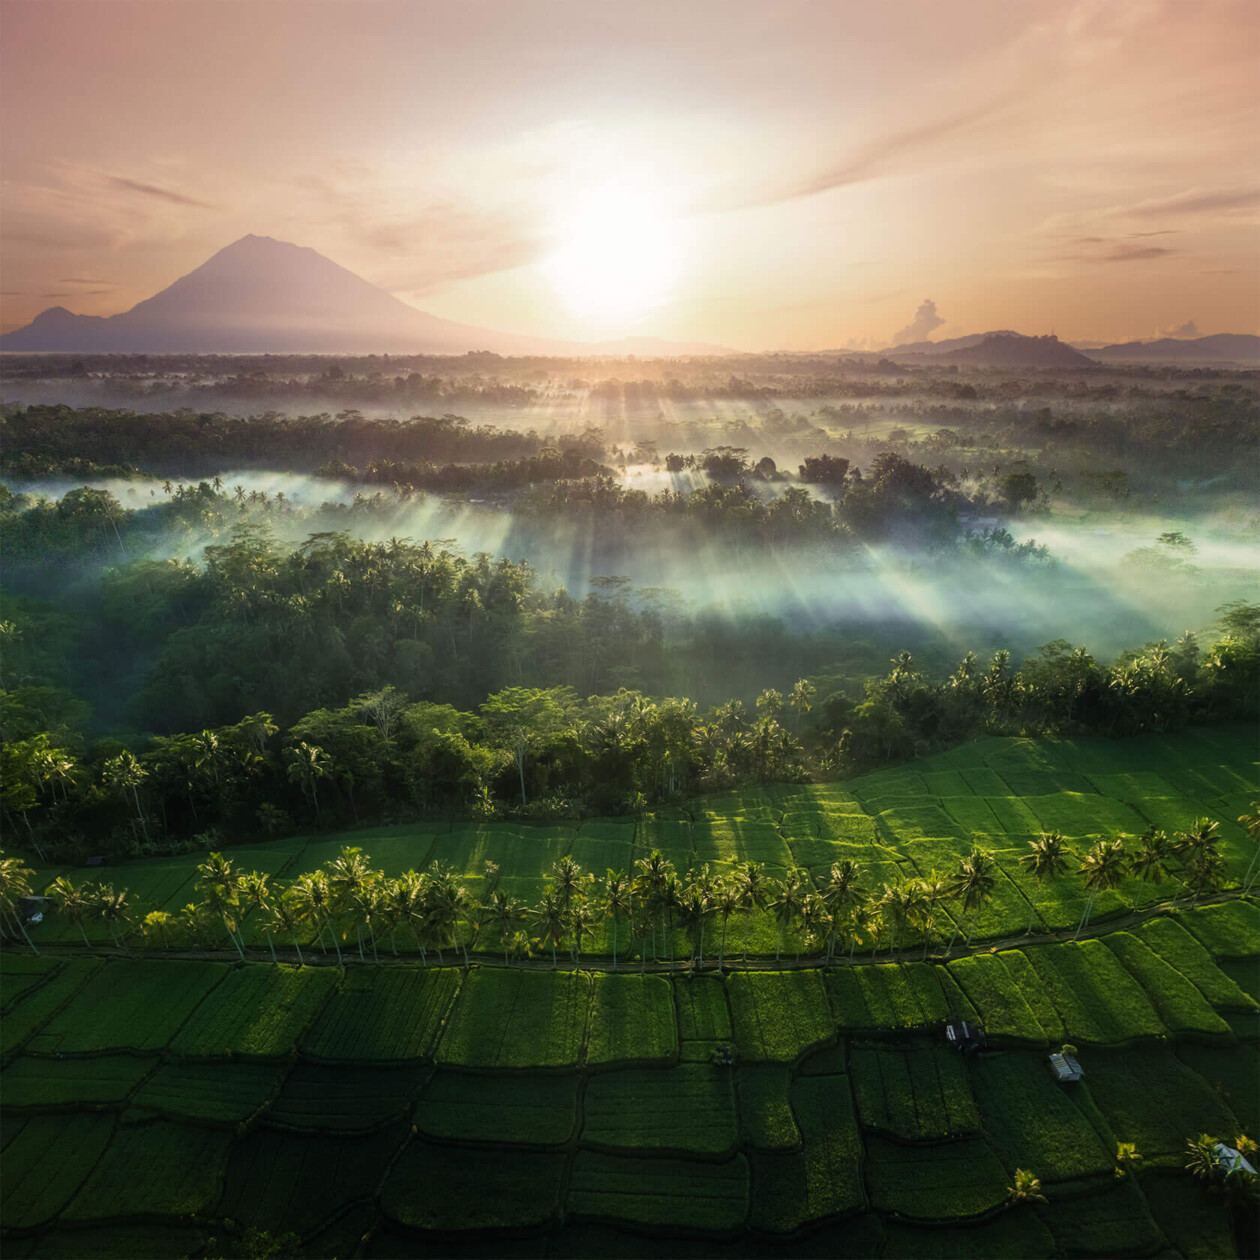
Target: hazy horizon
791	178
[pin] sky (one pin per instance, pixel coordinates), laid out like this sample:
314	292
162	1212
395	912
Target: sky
765	176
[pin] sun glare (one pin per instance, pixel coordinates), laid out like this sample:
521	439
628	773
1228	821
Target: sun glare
619	253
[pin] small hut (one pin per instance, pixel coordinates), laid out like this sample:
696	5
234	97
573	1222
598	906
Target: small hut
1065	1067
964	1037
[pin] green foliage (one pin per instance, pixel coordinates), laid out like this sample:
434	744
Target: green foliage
317	1098
993	990
951	1181
1099	1000
765	1112
904	997
130	1005
1150	1097
453	1187
1228	930
1180	1005
1115	1222
208	1093
45	1163
918	1093
29	1083
1032	1121
377	1017
1233	1072
293	1182
631	1020
778	1014
535	1110
35	1008
661	1193
688	1109
155	1169
1170	940
258	1011
514	1019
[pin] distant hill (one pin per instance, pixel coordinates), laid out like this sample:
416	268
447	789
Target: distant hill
994	349
1221	348
259	296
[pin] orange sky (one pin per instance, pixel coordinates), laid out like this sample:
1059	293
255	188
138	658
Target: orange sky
812	171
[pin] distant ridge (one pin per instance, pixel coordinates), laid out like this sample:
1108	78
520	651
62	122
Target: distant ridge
995	349
263	296
1219	348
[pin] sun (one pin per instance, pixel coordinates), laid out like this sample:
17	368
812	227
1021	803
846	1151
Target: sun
619	253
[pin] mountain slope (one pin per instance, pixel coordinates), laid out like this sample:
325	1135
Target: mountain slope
1220	348
994	349
260	295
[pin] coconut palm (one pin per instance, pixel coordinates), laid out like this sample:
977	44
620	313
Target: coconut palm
582	921
1153	857
350	879
1046	859
726	901
933	893
158	923
785	902
1127	1158
566	875
1027	1188
255	896
616	902
1201	1159
812	912
316	900
693	910
125	774
1251	824
841	892
74	903
220	886
15	883
1205	871
972	884
113	909
282	916
1103	868
308	763
519	946
552	921
752	886
504	912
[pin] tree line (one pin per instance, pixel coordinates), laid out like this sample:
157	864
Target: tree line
435	910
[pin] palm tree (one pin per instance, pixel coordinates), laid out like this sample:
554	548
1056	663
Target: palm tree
74	903
1046	859
283	917
552	920
895	903
973	884
802	693
617	901
316	900
255	895
1127	1158
220	886
308	763
15	883
350	877
566	874
112	909
125	774
1027	1188
751	887
1251	824
811	912
840	894
1151	861
1103	868
726	900
519	946
581	923
1201	1159
504	912
933	893
693	909
159	922
785	904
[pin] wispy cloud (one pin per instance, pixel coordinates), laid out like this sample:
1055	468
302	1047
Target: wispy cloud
1194	201
152	190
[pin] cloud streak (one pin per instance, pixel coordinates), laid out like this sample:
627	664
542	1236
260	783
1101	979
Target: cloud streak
152	190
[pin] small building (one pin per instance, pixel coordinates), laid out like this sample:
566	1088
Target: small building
1065	1067
965	1037
31	909
1232	1161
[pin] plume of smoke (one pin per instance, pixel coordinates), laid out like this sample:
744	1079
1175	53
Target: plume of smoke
926	321
1188	329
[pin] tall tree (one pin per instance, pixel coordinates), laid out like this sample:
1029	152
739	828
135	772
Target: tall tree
1103	868
1046	859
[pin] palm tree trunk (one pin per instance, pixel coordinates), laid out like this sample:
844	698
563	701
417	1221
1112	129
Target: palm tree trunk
232	938
272	946
301	960
1089	905
614	941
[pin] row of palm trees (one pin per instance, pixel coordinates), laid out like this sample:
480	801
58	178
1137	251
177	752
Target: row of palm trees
349	901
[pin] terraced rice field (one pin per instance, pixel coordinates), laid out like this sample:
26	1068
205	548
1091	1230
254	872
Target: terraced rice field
150	1105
